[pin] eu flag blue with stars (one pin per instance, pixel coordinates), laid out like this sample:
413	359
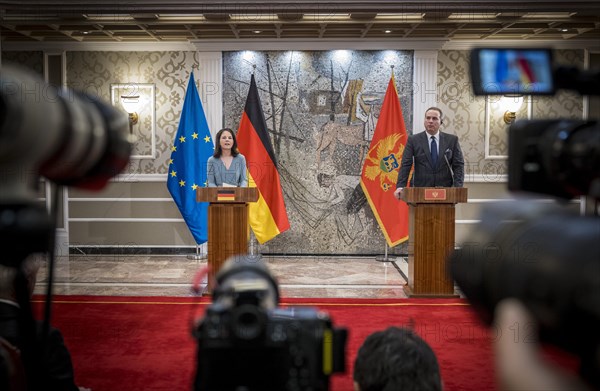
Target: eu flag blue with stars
191	148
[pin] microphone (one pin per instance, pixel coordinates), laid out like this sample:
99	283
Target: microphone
447	153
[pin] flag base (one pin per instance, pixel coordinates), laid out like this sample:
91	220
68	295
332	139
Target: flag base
383	258
196	257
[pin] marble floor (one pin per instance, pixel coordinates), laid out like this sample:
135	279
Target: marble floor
297	276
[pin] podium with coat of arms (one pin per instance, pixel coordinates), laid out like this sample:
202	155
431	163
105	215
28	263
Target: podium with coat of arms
431	239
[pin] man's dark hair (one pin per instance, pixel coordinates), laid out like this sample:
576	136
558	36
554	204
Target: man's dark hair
396	359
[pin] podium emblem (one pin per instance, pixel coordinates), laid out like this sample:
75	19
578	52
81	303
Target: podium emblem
226	195
435	194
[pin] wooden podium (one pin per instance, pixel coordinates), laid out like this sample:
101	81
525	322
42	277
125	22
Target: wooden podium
227	223
431	239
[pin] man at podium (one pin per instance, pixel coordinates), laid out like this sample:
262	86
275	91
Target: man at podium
436	157
227	166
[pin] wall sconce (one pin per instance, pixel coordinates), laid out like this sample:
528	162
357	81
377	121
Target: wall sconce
137	99
512	103
131	104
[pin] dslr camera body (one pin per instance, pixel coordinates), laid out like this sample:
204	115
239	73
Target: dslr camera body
246	343
538	253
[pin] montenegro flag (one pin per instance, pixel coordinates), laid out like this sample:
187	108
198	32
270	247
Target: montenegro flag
268	217
380	170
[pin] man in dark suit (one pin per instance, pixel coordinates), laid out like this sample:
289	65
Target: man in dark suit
436	157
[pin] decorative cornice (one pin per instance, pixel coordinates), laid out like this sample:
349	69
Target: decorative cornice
592	45
210	45
100	46
318	44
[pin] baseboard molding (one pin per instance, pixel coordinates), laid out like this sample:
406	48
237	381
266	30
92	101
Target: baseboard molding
96	250
79	250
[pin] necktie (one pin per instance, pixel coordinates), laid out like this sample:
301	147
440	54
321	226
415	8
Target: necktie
434	151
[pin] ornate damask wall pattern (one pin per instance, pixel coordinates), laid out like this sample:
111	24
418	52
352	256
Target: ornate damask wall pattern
466	114
321	109
94	72
565	104
33	60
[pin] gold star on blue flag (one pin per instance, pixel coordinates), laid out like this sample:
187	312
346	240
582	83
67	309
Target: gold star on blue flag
191	149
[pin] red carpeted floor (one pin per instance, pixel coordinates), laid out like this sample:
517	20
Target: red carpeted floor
144	343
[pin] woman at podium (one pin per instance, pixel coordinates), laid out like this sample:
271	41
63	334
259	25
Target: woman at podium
227	166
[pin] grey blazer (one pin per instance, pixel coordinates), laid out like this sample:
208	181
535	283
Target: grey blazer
218	174
417	153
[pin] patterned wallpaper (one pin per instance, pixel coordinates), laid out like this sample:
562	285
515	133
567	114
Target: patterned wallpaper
466	114
32	60
94	72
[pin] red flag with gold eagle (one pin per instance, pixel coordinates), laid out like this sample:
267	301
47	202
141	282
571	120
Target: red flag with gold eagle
380	170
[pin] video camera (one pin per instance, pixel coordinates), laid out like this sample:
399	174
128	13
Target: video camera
540	253
70	138
556	157
245	342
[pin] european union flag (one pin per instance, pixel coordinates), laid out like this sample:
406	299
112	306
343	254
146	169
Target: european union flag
191	148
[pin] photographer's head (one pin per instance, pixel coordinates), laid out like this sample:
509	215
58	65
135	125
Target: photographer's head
396	359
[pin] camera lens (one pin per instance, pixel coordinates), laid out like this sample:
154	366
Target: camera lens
248	322
515	252
573	154
556	157
96	146
71	138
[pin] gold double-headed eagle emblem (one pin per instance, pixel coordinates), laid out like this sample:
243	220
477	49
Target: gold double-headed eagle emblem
383	161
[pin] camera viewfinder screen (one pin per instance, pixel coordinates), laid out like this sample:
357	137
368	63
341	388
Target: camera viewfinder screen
510	71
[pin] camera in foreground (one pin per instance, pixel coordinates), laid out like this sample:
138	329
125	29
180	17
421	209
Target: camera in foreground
558	157
245	342
540	253
547	258
71	139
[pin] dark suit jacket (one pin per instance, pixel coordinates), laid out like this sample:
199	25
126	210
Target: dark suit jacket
57	368
425	175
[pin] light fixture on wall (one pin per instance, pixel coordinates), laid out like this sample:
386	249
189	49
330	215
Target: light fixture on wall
131	104
138	100
511	103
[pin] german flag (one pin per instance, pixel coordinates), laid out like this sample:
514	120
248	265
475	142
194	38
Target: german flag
268	217
225	195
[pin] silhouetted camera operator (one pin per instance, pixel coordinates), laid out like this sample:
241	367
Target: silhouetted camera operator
534	268
71	139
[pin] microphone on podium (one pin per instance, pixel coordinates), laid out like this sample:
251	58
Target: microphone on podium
447	153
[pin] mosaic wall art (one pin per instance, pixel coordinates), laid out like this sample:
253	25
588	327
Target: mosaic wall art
321	109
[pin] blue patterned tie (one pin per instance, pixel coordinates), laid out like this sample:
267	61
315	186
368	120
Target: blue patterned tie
434	151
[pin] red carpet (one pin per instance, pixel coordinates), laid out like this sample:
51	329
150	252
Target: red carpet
144	343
